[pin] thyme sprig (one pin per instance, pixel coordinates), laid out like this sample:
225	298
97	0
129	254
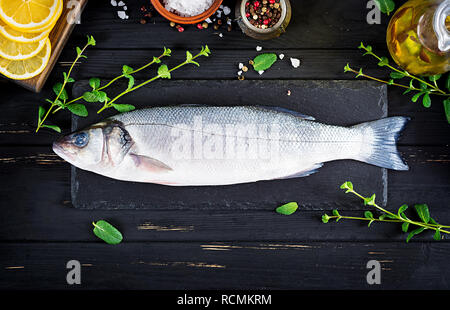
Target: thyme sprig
426	223
424	90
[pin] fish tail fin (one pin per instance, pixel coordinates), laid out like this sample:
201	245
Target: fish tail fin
379	146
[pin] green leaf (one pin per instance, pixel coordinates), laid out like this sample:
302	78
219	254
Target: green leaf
347	68
385	6
54	127
287	209
101	95
437	235
426	100
167	51
163	72
336	212
416	97
348	186
401	210
383	62
368	215
391	81
95	83
70	80
107	232
90	96
126	70
407	91
264	61
205	51
370	200
57	90
41	113
405	227
78	109
447	109
434	78
91	40
188	56
325	218
78	51
156	60
122	108
360	73
414	232
397	75
130	82
423	86
423	212
447	83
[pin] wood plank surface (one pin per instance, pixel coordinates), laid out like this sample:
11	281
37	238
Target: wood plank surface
230	265
217	249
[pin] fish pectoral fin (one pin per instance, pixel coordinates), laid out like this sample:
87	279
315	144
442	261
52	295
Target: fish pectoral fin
304	173
150	164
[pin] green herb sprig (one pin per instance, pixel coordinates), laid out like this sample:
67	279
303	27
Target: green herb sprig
163	73
61	93
424	90
426	223
98	94
107	232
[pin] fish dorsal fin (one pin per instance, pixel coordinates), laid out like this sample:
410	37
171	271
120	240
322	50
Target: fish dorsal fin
149	164
288	111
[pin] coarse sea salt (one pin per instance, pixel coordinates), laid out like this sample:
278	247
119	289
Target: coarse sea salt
295	62
187	7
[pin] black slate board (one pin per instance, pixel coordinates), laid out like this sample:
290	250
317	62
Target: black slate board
334	102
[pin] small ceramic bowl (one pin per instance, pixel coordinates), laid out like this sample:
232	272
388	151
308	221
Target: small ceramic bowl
188	19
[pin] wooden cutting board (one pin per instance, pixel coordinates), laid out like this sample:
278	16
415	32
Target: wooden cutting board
58	38
341	103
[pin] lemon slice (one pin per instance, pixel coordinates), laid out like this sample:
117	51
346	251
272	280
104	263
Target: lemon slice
47	27
22	37
19	51
28	68
30	15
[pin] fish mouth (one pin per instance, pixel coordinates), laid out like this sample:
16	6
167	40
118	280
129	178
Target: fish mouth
59	150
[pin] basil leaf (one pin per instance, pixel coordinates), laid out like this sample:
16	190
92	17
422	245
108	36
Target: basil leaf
426	100
78	109
368	215
107	232
405	227
287	209
126	70
397	75
423	212
163	71
54	127
447	109
95	83
264	61
385	6
414	232
90	96
122	108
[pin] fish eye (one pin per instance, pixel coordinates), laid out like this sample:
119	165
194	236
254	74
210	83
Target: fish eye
80	139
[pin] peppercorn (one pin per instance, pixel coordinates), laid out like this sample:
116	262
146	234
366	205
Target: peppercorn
179	28
143	21
172	24
199	26
205	25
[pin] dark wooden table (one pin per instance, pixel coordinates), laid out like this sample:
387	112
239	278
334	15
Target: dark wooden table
40	231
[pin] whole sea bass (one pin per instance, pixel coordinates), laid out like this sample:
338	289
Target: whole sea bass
203	145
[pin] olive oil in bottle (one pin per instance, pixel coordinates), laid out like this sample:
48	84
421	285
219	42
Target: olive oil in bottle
418	37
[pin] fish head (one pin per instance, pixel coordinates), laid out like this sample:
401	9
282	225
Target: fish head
83	149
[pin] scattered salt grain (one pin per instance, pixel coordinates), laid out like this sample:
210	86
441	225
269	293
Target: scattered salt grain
226	10
295	62
281	56
258	48
219	14
187	7
125	8
122	14
208	20
239	72
221	35
241	65
288	93
113	2
121	3
261	72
